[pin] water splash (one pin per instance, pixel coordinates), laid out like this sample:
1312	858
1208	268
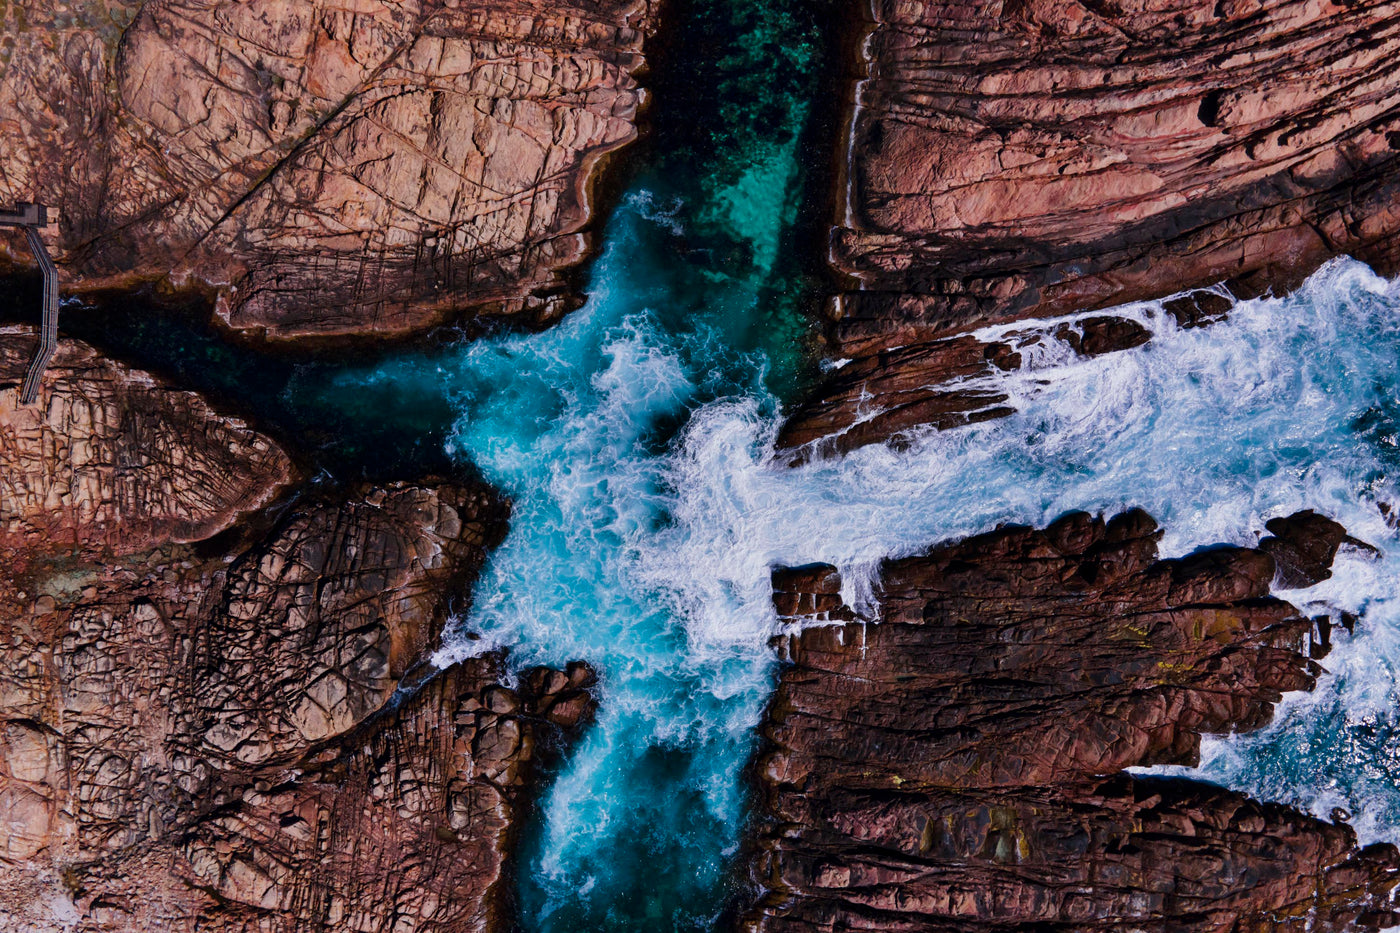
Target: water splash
647	549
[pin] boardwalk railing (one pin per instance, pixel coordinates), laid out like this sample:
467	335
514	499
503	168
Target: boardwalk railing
33	217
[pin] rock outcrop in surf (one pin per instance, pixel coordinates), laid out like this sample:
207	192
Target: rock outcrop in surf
959	765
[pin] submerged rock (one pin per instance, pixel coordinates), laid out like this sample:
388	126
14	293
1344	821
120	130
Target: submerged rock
957	765
1030	159
370	168
215	724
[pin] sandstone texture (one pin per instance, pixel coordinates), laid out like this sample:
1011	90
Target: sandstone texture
220	719
1028	158
958	766
329	168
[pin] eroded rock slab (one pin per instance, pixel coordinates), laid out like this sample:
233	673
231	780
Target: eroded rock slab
329	168
1036	158
955	767
113	460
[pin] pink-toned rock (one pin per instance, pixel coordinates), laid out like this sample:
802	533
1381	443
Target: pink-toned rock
1031	158
328	168
206	738
220	717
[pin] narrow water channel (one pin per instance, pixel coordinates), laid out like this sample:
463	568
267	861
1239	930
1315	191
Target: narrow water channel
635	439
699	298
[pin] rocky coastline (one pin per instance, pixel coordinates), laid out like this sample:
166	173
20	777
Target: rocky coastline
217	711
959	763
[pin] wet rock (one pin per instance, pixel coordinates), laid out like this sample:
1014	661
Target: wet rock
1198	309
1031	159
897	392
956	766
1096	336
370	168
1303	546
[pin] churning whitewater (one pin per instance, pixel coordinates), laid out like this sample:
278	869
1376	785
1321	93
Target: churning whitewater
654	561
649	509
635	441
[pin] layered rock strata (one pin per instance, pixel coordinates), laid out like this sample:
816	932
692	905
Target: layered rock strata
958	766
330	169
1033	158
211	723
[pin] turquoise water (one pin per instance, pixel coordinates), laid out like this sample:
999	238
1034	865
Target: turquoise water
695	299
635	441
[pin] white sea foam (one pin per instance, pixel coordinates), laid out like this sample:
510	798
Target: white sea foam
656	564
1212	430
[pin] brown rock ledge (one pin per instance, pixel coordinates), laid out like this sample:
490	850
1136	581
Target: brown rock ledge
234	732
114	461
329	168
1006	160
957	766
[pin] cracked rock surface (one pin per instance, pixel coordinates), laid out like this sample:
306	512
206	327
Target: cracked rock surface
1032	158
114	461
225	723
329	168
958	766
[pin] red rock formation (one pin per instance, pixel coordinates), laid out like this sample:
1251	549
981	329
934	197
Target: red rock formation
233	733
328	168
114	461
954	766
1030	158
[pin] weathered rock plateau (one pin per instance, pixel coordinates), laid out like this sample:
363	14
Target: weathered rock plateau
211	720
113	461
1022	159
329	168
958	766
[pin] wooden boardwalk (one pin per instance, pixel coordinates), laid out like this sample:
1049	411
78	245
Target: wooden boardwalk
33	217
